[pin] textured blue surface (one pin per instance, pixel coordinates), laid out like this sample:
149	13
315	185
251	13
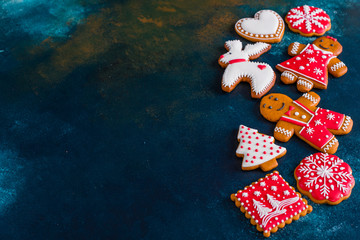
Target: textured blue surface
114	124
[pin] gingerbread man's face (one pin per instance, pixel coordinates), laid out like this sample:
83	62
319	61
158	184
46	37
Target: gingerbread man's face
329	44
275	105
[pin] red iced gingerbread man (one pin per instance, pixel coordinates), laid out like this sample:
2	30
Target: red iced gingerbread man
311	64
314	125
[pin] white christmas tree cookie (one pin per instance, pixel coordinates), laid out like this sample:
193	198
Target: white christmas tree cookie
257	149
270	203
324	178
239	68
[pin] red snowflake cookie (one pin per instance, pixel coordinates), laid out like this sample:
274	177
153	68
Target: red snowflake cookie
308	20
271	203
324	178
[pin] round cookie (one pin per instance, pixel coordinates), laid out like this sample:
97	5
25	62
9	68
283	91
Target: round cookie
266	26
308	21
324	178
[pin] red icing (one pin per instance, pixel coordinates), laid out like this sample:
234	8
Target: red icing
310	63
290	109
237	61
270	201
315	130
262	67
325	177
308	19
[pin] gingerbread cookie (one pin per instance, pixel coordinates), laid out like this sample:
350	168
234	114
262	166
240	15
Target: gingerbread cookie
324	178
314	125
270	203
311	64
238	68
257	150
308	21
266	26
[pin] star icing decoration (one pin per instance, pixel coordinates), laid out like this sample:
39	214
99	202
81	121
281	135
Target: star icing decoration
318	122
310	130
309	51
318	71
312	59
330	116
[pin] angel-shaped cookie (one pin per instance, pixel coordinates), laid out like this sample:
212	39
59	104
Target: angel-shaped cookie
238	68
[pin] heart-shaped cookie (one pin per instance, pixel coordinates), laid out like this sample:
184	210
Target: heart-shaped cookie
266	26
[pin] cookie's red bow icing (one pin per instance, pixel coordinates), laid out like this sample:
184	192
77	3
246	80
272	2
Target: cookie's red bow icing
290	109
237	60
334	39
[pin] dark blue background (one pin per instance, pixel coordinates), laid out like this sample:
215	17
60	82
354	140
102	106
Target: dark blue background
114	124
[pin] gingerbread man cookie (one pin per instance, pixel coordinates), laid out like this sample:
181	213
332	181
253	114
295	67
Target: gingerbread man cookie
308	21
270	203
314	125
324	178
311	64
257	150
238	68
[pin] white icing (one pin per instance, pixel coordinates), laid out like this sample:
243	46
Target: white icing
289	75
304	82
337	66
261	78
322	173
295	48
309	97
283	131
266	24
259	150
306	15
346	123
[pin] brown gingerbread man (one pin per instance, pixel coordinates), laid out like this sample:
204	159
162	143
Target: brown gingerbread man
311	63
314	125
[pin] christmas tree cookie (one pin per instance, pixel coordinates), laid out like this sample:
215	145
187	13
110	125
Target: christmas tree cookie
324	178
257	149
270	203
314	125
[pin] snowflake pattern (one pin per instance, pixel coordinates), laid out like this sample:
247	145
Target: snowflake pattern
330	116
310	130
274	188
312	60
318	122
318	71
274	177
324	173
313	19
257	193
286	192
245	194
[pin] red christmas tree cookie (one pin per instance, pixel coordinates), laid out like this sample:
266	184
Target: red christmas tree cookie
324	178
271	203
257	150
308	21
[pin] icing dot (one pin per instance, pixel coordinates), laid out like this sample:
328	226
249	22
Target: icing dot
243	141
257	137
249	148
298	58
246	160
303	116
256	150
257	144
254	157
249	137
249	142
271	153
252	161
261	157
277	151
241	146
301	67
264	152
246	133
247	154
296	114
264	140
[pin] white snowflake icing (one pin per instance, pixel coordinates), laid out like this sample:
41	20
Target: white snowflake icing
262	184
309	16
274	188
320	170
312	59
245	194
274	177
318	71
310	130
257	193
330	116
318	122
286	192
309	51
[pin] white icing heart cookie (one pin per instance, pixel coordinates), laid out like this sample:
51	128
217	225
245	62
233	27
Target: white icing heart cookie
266	26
